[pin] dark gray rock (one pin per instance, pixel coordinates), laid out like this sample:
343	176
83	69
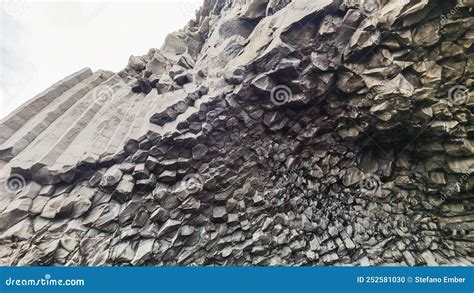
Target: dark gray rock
219	213
141	172
199	151
160	215
123	191
111	177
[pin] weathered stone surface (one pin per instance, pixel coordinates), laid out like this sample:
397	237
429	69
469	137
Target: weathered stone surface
141	172
151	163
55	206
218	213
16	211
160	215
111	177
168	226
167	176
136	63
144	251
264	133
123	191
199	151
353	176
140	218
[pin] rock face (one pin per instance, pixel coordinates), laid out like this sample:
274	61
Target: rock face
264	133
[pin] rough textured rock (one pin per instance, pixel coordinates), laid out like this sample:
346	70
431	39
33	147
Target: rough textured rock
264	133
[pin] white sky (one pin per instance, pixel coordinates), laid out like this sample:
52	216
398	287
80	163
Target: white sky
44	41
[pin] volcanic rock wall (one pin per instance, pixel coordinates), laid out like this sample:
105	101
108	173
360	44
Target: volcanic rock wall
265	133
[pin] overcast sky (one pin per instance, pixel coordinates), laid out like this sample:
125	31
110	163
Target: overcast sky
44	41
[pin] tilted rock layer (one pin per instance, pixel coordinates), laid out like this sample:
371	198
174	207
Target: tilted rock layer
265	133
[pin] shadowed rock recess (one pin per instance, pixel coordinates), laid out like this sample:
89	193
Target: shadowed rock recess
264	133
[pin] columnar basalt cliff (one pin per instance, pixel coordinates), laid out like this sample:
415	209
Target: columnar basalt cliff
264	133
